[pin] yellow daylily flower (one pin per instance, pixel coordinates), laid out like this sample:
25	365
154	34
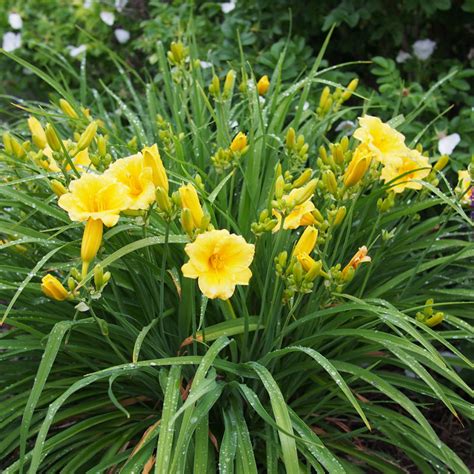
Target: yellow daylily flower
464	187
383	140
220	261
138	179
53	288
190	200
307	262
359	257
300	216
98	197
410	165
239	142
263	85
306	242
81	160
152	159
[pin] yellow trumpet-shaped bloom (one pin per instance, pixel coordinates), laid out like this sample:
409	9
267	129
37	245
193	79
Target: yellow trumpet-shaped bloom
151	158
37	132
263	85
53	288
220	261
359	257
306	242
190	200
239	142
411	164
98	197
137	178
358	166
383	140
300	216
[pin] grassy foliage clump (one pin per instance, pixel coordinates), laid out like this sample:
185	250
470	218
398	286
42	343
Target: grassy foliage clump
326	361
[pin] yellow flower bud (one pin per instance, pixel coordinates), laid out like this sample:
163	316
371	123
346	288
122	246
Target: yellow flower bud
190	200
355	171
306	242
57	187
330	182
301	195
306	261
350	89
187	221
263	85
435	319
324	97
91	240
340	214
359	257
102	145
87	136
53	288
163	200
239	142
441	163
229	83
37	132
17	148
178	51
66	107
215	87
302	178
7	142
290	138
279	187
52	138
152	159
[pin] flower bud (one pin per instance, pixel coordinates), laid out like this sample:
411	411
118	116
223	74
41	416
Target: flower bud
52	138
37	132
340	214
306	242
163	200
306	192
324	97
7	143
102	145
187	221
435	320
205	221
290	138
441	163
229	83
91	240
57	187
239	142
302	178
98	276
87	136
53	288
263	85
67	108
350	89
330	182
279	187
190	200
17	148
215	87
152	159
355	171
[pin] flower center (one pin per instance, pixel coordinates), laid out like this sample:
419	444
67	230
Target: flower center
216	262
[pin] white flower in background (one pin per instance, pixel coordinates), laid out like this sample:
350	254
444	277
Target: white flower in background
122	35
205	64
446	145
87	4
75	51
120	5
423	49
402	56
11	41
306	106
234	124
227	7
107	17
346	126
15	21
